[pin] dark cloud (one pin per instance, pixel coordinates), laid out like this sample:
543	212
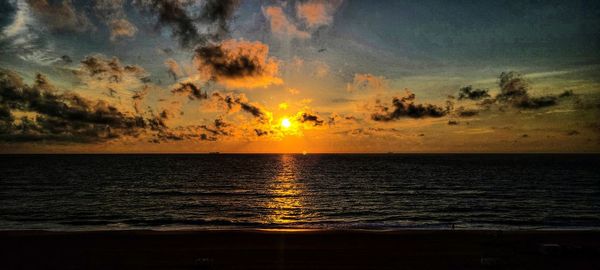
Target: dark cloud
60	16
59	116
252	109
7	10
468	92
66	59
335	118
216	57
370	131
101	68
174	70
109	9
512	86
343	100
210	132
513	91
566	94
137	98
238	63
462	112
405	107
218	13
308	117
536	102
167	51
240	102
204	137
191	90
174	14
219	128
112	13
260	132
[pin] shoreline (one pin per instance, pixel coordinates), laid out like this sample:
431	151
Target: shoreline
303	249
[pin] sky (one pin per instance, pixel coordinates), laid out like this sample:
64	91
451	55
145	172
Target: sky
339	76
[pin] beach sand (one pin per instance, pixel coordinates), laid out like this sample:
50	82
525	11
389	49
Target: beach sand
255	249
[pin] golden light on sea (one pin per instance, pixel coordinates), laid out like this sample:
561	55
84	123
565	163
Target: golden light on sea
287	202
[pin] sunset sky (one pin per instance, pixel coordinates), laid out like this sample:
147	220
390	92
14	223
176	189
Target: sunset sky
294	76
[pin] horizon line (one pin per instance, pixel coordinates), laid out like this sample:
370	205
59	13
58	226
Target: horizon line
295	153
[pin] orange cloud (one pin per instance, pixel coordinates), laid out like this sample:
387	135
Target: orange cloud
281	25
367	82
317	13
293	91
175	70
121	28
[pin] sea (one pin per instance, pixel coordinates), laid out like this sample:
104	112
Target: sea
296	191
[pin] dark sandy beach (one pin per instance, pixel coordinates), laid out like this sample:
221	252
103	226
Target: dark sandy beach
409	249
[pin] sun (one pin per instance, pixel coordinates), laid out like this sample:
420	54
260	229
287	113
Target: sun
285	123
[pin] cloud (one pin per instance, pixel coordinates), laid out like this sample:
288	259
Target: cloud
336	119
219	128
238	64
174	70
101	68
109	9
173	13
321	70
100	75
218	12
462	112
233	103
60	16
536	102
58	116
19	15
191	90
121	28
26	38
405	107
304	117
317	13
281	25
468	92
42	112
514	91
293	91
137	98
111	12
366	81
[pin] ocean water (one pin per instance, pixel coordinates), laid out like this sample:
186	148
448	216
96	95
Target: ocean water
89	192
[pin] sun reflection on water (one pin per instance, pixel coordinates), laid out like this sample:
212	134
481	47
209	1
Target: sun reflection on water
286	203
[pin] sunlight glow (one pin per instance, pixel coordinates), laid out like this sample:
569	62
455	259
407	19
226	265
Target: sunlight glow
285	123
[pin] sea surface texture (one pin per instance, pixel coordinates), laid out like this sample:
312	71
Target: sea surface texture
88	192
